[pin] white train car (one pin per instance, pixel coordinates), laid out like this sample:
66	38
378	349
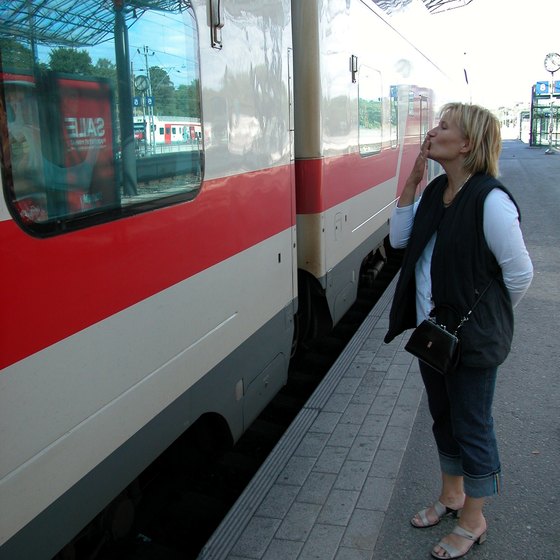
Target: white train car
139	296
167	130
365	97
142	296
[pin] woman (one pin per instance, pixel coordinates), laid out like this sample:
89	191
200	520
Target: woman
462	237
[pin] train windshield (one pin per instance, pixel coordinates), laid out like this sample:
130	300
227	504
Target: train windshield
100	109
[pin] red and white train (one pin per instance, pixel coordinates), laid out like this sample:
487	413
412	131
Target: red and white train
141	296
167	130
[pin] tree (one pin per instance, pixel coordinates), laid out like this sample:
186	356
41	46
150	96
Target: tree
70	61
187	100
104	68
162	91
15	55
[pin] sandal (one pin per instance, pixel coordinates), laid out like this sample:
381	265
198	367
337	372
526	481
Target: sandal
440	510
451	551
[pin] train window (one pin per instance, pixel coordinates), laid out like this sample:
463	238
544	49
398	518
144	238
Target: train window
424	117
394	117
411	103
370	111
84	106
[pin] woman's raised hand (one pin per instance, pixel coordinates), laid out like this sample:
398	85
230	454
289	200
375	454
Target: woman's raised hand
416	175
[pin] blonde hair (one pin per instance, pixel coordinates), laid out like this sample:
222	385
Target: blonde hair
482	129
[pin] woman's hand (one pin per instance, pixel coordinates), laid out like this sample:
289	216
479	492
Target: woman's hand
416	175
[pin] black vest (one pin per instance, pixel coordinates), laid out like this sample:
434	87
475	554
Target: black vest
462	267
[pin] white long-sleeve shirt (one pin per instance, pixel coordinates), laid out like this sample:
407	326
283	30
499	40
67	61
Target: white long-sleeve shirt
502	233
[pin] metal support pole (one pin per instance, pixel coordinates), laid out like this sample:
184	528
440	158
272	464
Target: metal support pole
550	150
150	108
128	153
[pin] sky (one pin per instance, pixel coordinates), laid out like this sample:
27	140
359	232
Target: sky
503	44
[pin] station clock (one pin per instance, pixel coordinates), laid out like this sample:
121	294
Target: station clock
552	62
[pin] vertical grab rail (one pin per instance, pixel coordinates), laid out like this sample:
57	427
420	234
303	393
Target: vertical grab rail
216	23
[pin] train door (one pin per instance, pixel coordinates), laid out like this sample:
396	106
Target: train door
167	135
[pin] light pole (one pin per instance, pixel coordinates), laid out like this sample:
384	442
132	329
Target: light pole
552	64
147	87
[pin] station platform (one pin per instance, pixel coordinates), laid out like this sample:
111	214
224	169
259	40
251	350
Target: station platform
324	490
359	459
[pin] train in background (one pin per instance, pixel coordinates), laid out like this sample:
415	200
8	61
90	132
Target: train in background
152	132
144	296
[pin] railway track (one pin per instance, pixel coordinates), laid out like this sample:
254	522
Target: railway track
177	503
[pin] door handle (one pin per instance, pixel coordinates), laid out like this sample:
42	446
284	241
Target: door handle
217	22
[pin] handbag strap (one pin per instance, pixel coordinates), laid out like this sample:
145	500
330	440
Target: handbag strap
467	316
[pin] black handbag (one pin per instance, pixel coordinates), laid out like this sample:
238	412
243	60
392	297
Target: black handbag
437	346
434	345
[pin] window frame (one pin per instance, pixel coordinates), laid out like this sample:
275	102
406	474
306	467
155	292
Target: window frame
189	163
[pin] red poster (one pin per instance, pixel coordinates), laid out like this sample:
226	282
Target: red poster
86	131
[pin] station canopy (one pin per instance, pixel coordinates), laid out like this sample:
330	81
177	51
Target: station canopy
435	6
90	22
74	22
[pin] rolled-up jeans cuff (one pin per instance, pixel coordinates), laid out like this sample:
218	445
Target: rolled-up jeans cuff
482	486
452	466
475	486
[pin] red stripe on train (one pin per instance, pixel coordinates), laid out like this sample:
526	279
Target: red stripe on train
55	287
325	182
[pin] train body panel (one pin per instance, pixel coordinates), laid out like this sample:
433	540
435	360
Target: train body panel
118	315
246	88
165	351
150	275
361	118
357	227
347	220
40	538
134	258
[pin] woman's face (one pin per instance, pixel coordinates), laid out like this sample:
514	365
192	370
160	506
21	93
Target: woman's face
446	141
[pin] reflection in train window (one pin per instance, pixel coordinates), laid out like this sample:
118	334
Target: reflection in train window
394	117
100	115
370	111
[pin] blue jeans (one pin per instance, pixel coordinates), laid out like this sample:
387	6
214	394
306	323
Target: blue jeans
461	407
